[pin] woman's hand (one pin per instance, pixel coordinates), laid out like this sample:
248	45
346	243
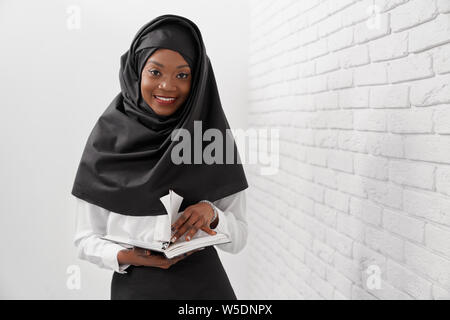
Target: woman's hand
144	257
195	217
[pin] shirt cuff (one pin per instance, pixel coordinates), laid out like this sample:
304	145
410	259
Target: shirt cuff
222	226
110	252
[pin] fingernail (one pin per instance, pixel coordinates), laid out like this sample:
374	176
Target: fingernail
173	239
188	238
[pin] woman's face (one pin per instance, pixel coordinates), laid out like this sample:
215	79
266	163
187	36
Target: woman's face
165	81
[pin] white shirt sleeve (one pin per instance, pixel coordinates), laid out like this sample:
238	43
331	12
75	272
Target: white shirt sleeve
232	213
91	222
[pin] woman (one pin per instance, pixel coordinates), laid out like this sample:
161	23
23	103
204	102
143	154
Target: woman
167	83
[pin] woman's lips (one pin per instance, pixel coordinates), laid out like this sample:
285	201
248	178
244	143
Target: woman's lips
164	100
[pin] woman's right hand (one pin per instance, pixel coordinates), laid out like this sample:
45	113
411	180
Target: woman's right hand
144	257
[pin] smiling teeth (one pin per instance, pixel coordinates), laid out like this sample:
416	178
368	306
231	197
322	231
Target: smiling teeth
165	99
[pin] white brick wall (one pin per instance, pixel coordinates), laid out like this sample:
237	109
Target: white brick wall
363	108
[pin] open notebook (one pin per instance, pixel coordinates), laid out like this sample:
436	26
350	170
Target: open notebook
161	242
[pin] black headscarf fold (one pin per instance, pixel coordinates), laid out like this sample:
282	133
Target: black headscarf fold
126	165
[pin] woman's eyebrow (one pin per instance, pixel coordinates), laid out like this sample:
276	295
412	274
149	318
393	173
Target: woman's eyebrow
162	66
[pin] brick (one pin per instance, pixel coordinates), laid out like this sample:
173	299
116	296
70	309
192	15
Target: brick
356	12
384	242
371	167
323	251
383	193
340	160
339	281
342	243
325	139
340	79
317	83
326	215
440	293
390	96
306	69
354	56
351	184
371	74
438	239
366	211
427	263
409	282
308	35
428	148
413	67
341	39
350	226
430	34
412	174
326	101
441	119
390	47
317	156
386	5
427	205
403	225
331	24
337	200
319	120
412	13
443	180
317	49
340	119
352	98
348	267
310	190
315	264
352	141
410	121
441	59
443	6
370	120
327	63
325	177
323	288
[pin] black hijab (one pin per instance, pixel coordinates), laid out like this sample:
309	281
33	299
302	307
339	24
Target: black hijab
126	164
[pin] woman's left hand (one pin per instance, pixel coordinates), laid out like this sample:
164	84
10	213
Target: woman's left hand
195	217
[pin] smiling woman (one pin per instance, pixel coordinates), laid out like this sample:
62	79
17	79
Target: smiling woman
165	81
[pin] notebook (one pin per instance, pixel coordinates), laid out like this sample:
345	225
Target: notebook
161	242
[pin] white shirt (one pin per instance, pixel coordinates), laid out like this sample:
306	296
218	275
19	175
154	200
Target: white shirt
94	222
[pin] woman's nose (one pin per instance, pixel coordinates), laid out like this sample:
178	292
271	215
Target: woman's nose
166	85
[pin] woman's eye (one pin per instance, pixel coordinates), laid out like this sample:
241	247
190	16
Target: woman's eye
183	75
153	72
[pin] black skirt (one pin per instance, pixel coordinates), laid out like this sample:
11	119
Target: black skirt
198	276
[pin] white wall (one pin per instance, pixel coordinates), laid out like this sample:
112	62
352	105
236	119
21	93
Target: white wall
55	83
364	113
